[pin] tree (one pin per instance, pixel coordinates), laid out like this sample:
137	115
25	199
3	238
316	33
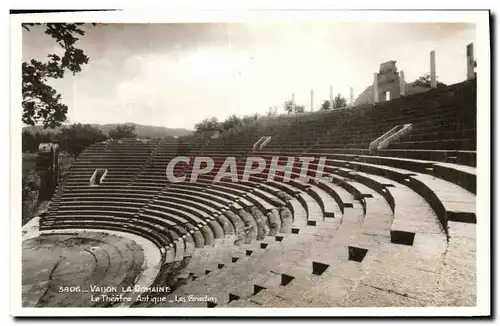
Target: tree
288	106
425	81
272	112
30	141
209	124
75	138
300	109
339	101
123	131
325	106
248	120
231	122
41	102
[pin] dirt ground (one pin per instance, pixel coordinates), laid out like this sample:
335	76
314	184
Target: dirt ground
72	270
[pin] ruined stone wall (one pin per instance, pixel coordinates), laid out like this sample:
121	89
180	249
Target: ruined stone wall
388	81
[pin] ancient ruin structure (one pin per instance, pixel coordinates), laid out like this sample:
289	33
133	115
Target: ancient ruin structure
388	85
471	62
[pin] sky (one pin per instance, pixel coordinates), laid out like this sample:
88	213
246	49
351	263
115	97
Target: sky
176	74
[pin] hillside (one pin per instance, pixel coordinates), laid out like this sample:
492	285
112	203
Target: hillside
141	130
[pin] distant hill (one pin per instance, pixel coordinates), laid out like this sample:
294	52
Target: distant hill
141	130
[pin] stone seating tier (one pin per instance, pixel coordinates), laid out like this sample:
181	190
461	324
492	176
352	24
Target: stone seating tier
371	208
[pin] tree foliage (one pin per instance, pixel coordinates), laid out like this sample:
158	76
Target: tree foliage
41	102
123	131
209	124
31	141
339	101
231	122
425	81
76	137
72	139
325	106
272	112
249	119
288	106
